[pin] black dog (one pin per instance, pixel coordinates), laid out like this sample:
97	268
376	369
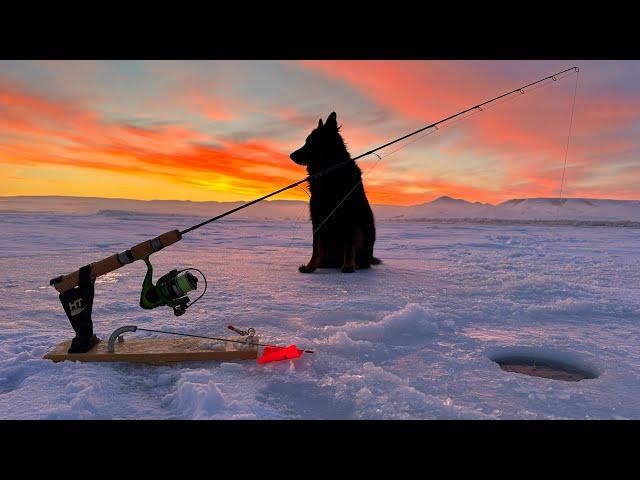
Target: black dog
344	237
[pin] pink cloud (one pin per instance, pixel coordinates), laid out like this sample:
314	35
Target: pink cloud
527	135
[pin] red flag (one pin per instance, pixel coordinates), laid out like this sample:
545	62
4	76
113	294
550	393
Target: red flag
275	354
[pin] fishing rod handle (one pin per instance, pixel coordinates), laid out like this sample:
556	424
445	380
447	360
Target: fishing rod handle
64	283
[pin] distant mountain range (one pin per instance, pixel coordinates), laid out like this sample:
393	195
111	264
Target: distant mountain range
551	209
443	208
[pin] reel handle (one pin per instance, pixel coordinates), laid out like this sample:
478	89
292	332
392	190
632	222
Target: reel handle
64	283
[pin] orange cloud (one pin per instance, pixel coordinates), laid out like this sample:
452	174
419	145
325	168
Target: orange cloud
54	132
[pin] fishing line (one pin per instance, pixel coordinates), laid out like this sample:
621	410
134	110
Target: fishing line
205	283
448	123
298	218
566	151
347	195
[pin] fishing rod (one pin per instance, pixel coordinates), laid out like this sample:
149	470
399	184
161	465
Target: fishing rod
102	267
342	164
76	288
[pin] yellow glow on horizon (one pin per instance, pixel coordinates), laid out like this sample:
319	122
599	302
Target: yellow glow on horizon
83	182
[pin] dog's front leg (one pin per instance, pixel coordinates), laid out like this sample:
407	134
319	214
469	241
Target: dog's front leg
349	263
316	257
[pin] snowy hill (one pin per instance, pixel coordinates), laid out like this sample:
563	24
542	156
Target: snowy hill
571	208
442	208
529	209
447	207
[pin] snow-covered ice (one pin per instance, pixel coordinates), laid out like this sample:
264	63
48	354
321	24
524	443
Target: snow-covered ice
411	338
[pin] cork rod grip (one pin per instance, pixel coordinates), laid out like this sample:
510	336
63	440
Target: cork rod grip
64	283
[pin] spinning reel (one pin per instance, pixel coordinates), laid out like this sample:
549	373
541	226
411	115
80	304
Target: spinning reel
171	289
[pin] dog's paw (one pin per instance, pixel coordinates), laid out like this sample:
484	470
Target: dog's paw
348	269
305	269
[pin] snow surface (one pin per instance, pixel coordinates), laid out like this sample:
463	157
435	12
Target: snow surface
411	338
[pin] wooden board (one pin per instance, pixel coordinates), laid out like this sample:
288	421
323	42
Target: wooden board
159	350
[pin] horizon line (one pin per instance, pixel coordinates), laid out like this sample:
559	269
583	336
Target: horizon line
303	201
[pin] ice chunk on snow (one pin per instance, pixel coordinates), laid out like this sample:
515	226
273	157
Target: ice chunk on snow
369	387
197	396
343	343
410	322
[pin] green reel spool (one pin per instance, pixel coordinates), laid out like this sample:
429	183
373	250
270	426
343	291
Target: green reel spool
171	289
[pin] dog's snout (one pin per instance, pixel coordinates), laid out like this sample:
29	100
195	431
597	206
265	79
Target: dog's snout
297	157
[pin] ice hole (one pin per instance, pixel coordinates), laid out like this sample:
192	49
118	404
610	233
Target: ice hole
544	367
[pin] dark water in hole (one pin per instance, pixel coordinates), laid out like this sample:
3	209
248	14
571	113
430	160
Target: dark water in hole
544	368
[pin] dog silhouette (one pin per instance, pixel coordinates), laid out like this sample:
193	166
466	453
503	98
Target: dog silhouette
343	225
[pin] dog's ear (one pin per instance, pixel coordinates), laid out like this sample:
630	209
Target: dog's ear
332	121
320	123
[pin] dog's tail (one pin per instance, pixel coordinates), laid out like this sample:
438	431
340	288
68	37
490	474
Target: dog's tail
375	261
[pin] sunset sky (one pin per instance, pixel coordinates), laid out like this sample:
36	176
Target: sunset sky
222	130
